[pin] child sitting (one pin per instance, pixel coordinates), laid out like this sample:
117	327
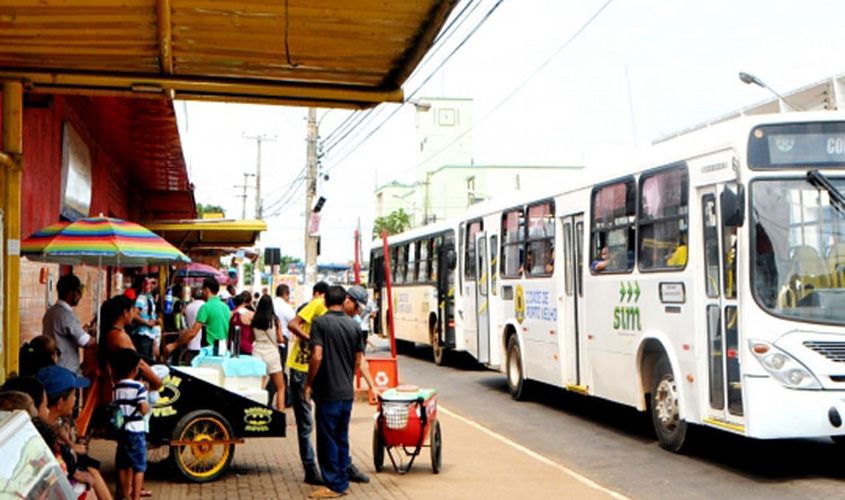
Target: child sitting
131	396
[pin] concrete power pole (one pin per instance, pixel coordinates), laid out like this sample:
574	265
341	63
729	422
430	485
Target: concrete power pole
310	193
259	202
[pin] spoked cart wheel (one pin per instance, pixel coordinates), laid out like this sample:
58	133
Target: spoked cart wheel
378	449
202	446
436	444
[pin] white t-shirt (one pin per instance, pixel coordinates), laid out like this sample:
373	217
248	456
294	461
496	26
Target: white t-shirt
190	318
284	311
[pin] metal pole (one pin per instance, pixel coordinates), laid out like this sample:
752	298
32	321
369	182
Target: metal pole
390	326
310	193
258	201
10	192
357	266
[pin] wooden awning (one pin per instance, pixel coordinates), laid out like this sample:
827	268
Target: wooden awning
329	53
204	234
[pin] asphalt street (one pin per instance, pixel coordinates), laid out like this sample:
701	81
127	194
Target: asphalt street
615	445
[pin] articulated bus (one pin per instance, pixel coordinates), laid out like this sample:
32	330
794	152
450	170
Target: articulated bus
705	285
422	268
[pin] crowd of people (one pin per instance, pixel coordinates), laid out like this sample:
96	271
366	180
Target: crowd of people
321	345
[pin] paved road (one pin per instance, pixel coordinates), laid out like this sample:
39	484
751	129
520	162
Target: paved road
615	446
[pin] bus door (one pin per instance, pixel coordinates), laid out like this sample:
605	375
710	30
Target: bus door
482	298
570	300
719	258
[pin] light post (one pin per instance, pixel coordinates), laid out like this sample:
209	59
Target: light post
748	78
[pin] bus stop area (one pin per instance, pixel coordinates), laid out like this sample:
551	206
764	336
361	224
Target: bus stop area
476	463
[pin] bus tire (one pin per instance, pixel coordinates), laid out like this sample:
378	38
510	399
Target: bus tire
438	352
515	373
670	428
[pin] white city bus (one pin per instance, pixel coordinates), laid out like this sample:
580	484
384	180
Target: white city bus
422	265
709	280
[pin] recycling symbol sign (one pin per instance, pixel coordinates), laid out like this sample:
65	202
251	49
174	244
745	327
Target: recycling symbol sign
381	379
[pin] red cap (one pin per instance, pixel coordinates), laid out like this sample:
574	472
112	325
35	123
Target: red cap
130	292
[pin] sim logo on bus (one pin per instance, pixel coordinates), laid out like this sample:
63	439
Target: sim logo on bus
627	317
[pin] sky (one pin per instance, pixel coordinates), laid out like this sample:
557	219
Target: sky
640	70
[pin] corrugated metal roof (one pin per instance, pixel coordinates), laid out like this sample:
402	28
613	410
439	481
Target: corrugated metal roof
350	53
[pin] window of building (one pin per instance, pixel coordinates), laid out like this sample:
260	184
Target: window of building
513	239
540	258
613	229
664	208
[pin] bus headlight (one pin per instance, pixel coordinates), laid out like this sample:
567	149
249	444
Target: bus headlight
783	367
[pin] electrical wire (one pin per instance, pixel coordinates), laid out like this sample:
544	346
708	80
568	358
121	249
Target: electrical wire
426	80
510	95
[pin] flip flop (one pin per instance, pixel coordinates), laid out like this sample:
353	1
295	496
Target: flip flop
145	493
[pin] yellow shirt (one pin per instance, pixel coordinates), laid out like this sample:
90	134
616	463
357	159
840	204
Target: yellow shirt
300	354
679	258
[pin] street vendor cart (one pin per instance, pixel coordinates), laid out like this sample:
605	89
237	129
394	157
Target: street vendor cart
407	420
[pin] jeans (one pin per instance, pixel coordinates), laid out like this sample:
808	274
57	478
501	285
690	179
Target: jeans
302	413
333	442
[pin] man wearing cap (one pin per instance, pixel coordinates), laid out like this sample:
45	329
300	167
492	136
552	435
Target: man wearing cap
61	324
337	349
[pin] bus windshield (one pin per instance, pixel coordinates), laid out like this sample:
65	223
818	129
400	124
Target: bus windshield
798	249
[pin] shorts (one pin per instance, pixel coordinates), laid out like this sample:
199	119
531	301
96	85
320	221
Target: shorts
132	451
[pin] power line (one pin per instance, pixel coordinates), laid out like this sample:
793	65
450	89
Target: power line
508	96
426	80
359	118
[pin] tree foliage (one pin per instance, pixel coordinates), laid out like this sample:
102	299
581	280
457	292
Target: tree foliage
394	223
201	209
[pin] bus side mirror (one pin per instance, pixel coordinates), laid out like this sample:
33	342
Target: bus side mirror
733	206
451	259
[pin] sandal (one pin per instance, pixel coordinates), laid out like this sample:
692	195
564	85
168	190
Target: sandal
145	493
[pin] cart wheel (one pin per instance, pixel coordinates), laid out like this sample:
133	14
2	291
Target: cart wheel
435	442
204	461
378	449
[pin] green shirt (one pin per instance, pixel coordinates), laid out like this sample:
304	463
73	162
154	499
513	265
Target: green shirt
214	315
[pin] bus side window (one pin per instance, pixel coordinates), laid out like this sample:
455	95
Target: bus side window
411	271
541	238
437	242
472	229
494	261
613	230
401	263
664	207
513	223
422	261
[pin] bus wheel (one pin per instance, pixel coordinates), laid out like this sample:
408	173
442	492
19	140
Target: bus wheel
436	348
665	412
516	377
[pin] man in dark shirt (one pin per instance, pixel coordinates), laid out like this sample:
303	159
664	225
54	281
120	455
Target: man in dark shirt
337	349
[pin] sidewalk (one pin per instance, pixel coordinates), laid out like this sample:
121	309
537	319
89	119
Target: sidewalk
476	464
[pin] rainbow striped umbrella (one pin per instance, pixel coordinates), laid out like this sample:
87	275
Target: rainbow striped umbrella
100	241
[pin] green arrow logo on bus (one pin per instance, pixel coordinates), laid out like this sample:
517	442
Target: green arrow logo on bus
621	290
637	291
630	291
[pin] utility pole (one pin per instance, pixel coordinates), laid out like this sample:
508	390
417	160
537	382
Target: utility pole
243	196
310	193
259	203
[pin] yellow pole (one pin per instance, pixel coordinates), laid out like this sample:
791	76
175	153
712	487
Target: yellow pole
10	190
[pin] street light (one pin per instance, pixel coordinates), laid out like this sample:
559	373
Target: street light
421	106
749	79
